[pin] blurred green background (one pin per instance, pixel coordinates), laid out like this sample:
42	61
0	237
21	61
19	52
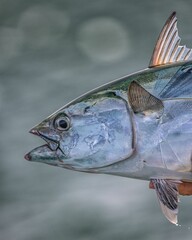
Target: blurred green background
51	52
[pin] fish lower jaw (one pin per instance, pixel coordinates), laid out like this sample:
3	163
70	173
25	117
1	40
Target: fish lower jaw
27	157
42	154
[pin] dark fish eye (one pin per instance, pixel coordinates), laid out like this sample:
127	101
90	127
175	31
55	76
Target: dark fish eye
62	123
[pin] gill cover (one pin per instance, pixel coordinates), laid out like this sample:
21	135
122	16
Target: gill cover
103	129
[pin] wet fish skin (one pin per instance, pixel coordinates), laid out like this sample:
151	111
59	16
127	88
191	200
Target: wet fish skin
103	118
139	126
97	125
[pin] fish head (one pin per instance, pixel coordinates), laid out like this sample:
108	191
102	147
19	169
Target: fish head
91	132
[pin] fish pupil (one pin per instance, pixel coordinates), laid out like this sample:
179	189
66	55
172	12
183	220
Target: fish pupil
63	124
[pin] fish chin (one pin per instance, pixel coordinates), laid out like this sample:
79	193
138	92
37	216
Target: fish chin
44	154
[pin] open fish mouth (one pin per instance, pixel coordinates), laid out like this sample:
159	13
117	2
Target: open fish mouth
53	144
49	151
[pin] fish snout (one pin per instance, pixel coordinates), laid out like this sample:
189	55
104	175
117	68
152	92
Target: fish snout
34	131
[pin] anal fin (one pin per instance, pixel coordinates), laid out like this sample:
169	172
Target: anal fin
168	196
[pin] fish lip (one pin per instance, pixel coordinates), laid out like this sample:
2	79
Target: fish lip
52	144
27	157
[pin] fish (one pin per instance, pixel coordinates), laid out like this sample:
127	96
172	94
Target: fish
138	126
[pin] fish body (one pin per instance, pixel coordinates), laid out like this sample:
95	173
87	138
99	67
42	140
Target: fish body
139	126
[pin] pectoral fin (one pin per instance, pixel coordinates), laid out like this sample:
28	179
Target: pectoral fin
143	101
168	196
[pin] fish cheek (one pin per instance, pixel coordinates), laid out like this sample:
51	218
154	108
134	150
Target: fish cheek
82	140
105	137
68	141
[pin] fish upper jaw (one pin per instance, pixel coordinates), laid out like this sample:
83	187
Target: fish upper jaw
53	144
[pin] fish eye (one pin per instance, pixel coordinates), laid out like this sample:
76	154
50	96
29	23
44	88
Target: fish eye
62	123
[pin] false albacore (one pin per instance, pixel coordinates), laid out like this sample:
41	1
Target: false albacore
139	126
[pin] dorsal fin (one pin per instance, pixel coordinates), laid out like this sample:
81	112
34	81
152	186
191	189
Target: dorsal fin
143	101
167	48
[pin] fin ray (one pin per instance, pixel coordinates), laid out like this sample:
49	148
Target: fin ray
179	85
167	49
168	196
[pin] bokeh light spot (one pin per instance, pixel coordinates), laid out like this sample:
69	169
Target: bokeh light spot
104	39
